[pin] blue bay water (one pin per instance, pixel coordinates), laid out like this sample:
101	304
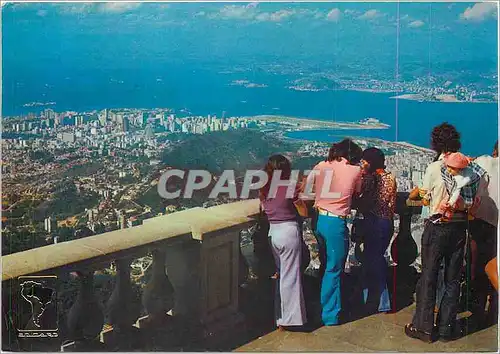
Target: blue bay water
203	91
476	122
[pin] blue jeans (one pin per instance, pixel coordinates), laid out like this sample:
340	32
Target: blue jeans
375	292
335	239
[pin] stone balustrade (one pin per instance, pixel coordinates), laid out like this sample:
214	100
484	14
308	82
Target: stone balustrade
192	287
191	290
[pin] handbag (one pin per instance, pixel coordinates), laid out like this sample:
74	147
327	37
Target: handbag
263	255
302	208
358	229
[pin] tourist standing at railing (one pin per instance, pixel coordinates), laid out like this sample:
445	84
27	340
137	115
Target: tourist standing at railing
483	230
354	154
335	182
379	226
415	195
286	244
440	240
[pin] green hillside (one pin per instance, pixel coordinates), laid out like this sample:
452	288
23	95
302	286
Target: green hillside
218	151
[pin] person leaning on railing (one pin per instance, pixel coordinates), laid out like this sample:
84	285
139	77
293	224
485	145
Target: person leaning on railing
482	226
335	182
354	154
379	226
287	245
415	199
441	239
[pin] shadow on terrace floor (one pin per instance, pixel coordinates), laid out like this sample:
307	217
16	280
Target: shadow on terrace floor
256	304
361	331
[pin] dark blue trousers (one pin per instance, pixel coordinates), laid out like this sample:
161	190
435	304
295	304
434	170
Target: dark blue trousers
440	242
375	291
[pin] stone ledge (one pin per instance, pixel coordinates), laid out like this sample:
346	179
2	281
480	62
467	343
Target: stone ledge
194	222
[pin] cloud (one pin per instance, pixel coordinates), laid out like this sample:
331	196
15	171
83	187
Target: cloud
416	24
75	8
118	7
252	5
370	15
14	6
85	8
308	13
334	15
250	12
479	12
277	16
265	16
282	15
237	12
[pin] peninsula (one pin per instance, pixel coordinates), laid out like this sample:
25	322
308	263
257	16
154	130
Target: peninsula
308	124
443	98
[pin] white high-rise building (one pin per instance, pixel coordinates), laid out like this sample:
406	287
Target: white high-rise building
49	224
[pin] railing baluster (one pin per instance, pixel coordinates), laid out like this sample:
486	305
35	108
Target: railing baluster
158	295
123	308
10	341
85	318
158	298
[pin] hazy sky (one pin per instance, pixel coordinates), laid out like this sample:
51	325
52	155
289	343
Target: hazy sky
98	35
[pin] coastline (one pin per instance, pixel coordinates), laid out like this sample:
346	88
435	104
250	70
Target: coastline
368	90
401	144
371	90
416	147
443	98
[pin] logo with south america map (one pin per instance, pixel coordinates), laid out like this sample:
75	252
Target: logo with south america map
38	305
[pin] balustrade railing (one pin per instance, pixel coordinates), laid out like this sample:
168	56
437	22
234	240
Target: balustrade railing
191	288
192	284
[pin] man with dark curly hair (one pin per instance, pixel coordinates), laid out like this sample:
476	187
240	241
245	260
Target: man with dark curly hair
441	240
445	138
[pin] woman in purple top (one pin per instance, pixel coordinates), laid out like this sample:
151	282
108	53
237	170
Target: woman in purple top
286	245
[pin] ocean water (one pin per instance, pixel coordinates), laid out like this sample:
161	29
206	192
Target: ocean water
476	122
202	90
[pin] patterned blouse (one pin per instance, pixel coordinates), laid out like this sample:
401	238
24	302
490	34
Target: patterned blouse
382	188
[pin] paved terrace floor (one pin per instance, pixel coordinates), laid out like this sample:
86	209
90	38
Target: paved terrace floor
361	333
376	333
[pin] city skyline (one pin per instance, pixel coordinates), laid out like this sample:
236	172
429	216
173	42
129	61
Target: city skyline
117	114
235	77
